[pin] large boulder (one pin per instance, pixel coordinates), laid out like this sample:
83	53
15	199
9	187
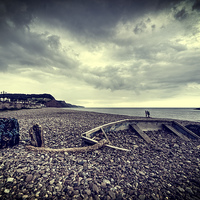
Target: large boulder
9	132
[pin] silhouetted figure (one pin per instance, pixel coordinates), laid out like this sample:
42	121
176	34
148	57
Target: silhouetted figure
147	113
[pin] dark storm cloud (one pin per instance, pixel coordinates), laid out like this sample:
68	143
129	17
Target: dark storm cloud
180	15
143	62
92	19
140	27
196	5
90	16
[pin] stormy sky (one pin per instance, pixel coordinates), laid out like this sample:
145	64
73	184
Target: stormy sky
102	53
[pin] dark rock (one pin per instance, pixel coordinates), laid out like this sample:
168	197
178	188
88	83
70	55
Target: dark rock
29	177
95	188
88	192
142	197
112	194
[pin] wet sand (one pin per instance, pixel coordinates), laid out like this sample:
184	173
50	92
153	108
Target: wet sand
169	171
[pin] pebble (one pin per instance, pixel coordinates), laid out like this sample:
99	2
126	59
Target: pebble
142	173
103	185
51	182
142	197
176	145
181	189
107	182
112	194
170	169
10	179
188	189
88	192
95	188
7	191
29	177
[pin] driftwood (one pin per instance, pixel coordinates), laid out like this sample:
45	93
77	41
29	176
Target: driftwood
118	148
77	149
36	134
105	135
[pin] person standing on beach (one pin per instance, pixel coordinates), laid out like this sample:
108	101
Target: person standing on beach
147	113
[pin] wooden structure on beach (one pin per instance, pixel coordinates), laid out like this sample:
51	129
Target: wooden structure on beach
139	126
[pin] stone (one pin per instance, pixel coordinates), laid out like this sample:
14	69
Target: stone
154	196
76	192
37	194
112	194
103	185
25	196
81	162
95	188
85	166
7	191
134	170
142	173
142	197
88	192
189	190
51	182
10	180
108	197
41	171
176	145
29	177
96	197
107	182
70	188
181	189
119	196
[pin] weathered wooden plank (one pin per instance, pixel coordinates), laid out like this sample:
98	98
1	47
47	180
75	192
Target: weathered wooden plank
118	148
184	130
106	136
173	130
141	133
92	141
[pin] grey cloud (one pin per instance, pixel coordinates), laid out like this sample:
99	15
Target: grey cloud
196	5
3	66
149	73
88	19
153	27
92	22
54	41
35	50
140	28
181	15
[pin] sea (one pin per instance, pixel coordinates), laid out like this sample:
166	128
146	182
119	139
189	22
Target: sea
190	114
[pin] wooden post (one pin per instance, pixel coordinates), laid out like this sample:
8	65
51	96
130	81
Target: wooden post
36	135
105	135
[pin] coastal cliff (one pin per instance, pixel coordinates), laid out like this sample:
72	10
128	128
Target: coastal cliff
9	101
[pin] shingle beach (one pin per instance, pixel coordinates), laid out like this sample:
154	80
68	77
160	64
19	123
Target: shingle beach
169	171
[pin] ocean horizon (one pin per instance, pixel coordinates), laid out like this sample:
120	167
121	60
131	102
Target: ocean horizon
190	114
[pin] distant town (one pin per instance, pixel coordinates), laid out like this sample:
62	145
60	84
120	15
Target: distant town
14	101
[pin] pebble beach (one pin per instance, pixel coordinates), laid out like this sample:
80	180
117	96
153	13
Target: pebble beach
168	170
